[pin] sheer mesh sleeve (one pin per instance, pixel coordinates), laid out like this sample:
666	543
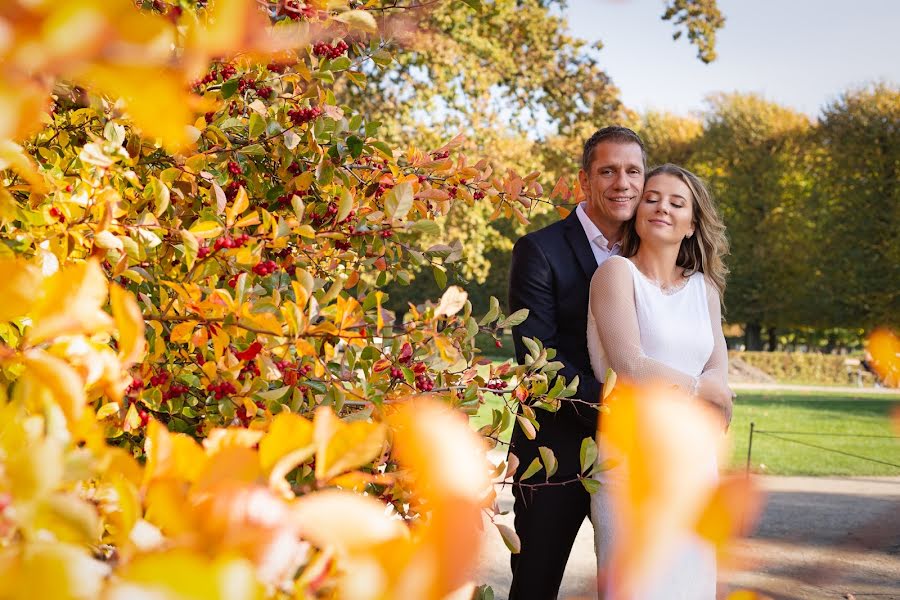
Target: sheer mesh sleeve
613	309
717	365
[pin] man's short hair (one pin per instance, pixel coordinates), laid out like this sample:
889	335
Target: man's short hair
615	134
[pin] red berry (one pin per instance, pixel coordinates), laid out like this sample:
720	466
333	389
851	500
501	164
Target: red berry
498	343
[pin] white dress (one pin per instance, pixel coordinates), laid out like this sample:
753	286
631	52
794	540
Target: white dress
675	336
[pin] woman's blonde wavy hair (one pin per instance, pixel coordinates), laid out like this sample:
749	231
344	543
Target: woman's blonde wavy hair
702	252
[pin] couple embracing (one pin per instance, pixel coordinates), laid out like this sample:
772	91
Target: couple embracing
632	279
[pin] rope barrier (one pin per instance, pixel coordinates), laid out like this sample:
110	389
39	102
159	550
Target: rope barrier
859	435
773	434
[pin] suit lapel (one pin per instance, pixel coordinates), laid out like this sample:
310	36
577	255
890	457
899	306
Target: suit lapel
580	245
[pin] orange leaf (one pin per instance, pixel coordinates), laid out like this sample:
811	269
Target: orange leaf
19	284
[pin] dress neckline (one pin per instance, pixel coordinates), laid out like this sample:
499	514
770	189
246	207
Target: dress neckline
673	291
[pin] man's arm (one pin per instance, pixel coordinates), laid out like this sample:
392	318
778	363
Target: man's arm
531	287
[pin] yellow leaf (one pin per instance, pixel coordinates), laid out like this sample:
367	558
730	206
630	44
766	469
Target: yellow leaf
180	573
232	437
60	378
379	324
165	501
287	432
341	447
206	229
34	470
107	410
158	100
68	518
174	455
12	156
884	346
19	284
53	569
107	241
70	303
181	333
130	323
237	208
132	419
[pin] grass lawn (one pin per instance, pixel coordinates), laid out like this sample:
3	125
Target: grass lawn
821	414
818	413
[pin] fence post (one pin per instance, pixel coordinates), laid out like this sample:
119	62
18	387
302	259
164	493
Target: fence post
750	447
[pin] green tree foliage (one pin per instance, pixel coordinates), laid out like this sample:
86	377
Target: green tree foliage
857	175
755	154
700	19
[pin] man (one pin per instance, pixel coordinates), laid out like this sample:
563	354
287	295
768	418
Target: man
550	275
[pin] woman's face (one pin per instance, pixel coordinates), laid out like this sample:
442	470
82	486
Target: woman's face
666	210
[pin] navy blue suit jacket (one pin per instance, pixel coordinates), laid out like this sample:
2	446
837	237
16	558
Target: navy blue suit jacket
550	275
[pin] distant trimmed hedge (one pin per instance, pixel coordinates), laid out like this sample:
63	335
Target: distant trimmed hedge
810	368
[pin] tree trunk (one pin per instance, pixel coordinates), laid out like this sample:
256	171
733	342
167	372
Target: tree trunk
773	340
753	336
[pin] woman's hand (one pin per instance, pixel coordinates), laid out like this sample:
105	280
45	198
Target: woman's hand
715	391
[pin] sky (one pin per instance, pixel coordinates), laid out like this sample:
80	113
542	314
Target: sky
799	53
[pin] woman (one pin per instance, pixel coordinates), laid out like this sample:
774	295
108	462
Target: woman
655	314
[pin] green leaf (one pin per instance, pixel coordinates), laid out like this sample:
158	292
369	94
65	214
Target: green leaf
591	485
383	148
257	125
341	63
534	348
191	247
355	145
160	194
440	276
549	460
253	150
473	4
517	318
492	312
509	538
471	328
533	468
229	88
588	454
426	227
382	58
609	382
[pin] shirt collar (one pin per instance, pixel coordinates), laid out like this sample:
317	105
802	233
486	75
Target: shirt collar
593	232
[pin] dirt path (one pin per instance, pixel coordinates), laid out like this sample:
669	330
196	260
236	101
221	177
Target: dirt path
819	538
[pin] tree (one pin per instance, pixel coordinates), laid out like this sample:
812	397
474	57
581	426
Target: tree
858	169
669	138
756	156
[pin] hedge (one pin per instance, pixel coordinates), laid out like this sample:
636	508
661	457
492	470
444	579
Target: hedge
806	367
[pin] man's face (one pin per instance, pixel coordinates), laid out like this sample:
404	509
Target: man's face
613	185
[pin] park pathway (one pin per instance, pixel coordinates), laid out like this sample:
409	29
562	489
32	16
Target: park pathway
819	538
850	390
